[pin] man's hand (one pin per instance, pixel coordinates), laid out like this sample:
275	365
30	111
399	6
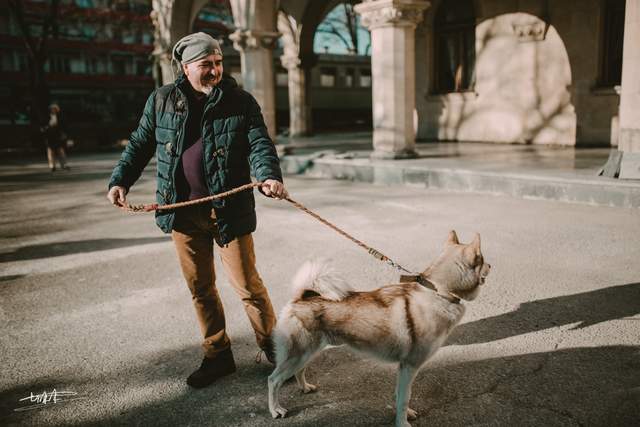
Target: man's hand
117	195
273	188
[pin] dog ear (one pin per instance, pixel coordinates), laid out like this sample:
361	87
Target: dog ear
475	244
453	238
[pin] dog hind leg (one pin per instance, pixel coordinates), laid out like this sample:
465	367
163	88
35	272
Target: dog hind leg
406	375
285	370
302	382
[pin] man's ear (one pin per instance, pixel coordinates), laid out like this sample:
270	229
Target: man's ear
185	70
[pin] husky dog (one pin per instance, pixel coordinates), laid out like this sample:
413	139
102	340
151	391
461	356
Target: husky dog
403	323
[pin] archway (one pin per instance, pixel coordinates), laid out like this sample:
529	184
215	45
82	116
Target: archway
319	77
519	90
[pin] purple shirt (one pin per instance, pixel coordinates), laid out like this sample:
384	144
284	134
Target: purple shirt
190	180
193	170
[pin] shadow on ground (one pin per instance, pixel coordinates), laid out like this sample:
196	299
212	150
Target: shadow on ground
576	386
579	386
74	247
585	309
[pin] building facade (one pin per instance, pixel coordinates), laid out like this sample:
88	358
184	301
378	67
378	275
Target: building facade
536	72
505	71
98	67
101	69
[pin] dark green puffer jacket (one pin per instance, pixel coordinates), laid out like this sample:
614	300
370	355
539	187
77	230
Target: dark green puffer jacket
234	138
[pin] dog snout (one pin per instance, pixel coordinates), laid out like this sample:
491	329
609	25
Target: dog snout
484	272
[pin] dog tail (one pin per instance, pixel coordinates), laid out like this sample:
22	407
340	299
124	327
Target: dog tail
318	278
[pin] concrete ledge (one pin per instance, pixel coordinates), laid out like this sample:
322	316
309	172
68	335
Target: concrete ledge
597	191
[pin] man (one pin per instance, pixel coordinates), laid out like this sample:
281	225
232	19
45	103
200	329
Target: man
206	133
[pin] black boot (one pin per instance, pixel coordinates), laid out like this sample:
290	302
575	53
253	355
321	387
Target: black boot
212	368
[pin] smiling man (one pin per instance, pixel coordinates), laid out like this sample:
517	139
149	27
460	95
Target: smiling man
208	135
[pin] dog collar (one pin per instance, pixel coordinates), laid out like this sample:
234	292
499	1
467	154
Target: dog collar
423	281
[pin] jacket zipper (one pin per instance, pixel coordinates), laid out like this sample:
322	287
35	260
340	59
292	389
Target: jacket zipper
208	106
179	142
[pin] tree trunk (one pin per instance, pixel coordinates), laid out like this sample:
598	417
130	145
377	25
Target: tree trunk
37	56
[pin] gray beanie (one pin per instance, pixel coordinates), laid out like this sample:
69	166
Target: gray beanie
194	47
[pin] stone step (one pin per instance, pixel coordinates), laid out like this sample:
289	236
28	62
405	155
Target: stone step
597	191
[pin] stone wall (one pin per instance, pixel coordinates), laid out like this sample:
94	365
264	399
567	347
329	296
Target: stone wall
537	67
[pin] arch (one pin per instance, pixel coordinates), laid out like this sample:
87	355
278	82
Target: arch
215	19
523	80
311	19
256	15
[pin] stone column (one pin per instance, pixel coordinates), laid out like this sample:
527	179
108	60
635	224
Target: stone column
161	19
298	71
299	105
256	60
392	24
625	163
171	21
162	71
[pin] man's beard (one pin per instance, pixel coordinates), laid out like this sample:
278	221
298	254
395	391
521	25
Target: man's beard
208	85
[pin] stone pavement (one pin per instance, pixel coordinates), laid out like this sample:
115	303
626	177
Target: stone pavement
529	171
92	301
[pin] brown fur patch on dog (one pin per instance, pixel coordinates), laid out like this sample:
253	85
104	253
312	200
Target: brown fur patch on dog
411	327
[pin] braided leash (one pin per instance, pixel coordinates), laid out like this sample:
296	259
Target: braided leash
156	207
372	251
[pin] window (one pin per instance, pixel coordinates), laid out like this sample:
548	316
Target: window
5	24
282	78
97	65
128	36
60	64
92	65
71	30
78	66
327	77
454	46
23	61
8	63
143	68
121	5
119	65
365	78
215	18
147	37
88	31
84	4
613	36
141	6
349	77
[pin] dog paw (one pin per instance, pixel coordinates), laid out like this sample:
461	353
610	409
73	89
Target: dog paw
278	412
309	388
412	415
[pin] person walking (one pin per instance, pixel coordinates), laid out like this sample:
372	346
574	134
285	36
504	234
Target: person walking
55	138
207	135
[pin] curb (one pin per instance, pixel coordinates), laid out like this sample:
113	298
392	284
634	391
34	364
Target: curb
596	191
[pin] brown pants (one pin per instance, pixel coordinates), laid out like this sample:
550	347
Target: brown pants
194	233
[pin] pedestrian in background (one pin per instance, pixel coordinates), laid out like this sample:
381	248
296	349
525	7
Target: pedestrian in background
207	135
55	136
